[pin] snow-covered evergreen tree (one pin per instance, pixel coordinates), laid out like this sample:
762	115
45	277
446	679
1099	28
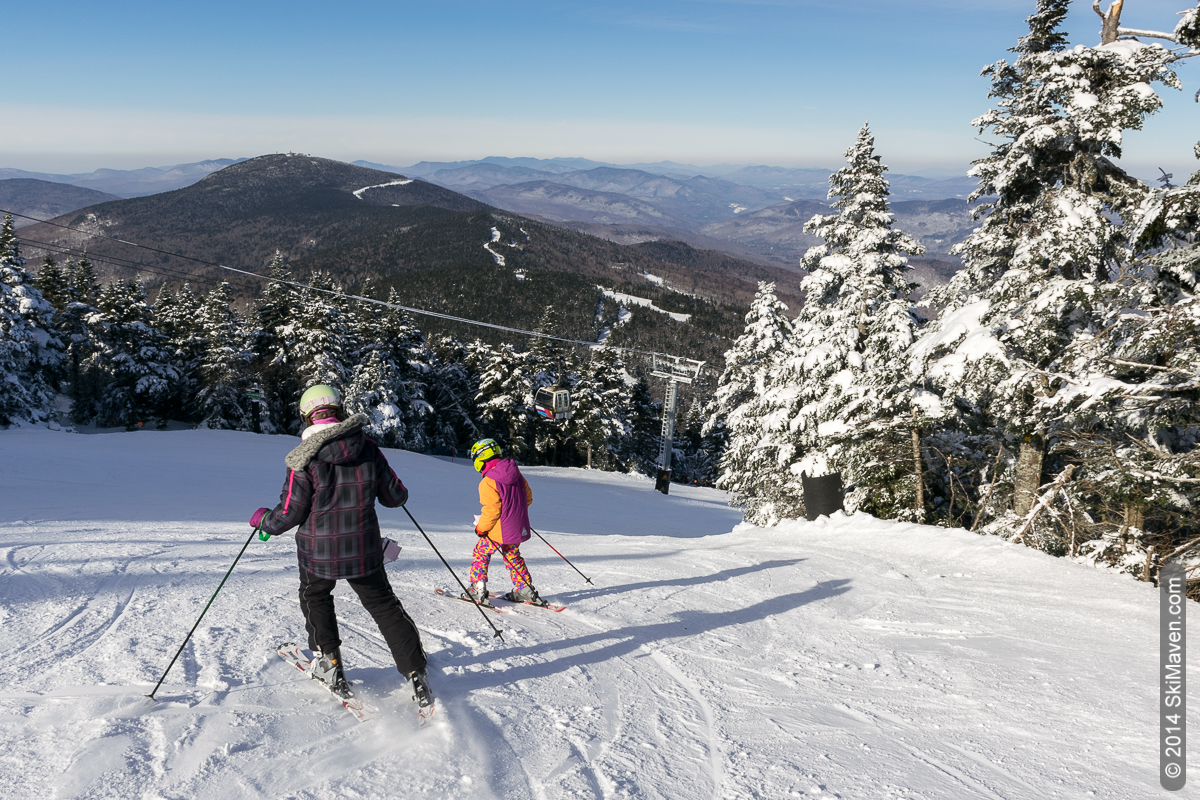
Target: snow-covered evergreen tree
753	476
551	365
324	336
273	344
131	356
841	383
640	451
1054	236
601	418
30	351
389	380
453	384
177	317
505	397
79	338
221	399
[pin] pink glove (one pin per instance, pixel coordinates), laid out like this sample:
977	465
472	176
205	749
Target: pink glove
258	515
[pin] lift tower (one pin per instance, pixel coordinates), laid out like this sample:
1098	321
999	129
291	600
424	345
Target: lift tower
674	370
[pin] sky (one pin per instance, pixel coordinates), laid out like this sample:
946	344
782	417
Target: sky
780	82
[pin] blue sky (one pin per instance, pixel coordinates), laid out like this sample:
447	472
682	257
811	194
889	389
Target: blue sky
785	82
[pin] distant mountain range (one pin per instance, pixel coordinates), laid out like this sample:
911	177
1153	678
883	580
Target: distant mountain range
755	213
131	182
441	250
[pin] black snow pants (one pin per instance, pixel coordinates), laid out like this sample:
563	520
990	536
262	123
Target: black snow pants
316	601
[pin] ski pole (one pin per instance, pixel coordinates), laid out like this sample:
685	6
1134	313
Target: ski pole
202	613
497	633
564	558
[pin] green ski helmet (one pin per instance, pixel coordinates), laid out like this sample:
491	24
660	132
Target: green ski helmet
484	451
319	396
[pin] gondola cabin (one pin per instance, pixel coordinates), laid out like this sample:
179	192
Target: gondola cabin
553	403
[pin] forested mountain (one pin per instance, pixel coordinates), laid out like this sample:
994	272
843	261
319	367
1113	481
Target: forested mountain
45	199
439	250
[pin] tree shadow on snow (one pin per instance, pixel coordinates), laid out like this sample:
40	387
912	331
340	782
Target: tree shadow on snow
687	624
687	581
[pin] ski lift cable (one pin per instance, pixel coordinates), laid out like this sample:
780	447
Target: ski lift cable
435	314
116	261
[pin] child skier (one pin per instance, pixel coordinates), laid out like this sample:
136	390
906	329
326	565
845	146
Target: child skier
502	525
334	478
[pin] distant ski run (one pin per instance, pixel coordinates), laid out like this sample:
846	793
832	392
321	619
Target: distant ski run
402	182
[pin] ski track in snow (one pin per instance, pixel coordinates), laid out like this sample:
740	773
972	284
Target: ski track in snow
843	658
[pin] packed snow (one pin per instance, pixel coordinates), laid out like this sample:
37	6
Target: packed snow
633	300
402	182
488	246
846	657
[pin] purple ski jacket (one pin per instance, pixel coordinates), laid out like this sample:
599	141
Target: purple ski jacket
505	496
334	478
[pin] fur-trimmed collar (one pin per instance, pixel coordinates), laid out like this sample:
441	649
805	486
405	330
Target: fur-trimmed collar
307	450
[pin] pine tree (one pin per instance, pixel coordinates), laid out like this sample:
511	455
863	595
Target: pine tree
505	398
273	344
1053	238
323	335
224	363
131	356
178	317
30	352
552	366
390	377
841	381
79	336
453	385
640	451
52	282
750	475
601	421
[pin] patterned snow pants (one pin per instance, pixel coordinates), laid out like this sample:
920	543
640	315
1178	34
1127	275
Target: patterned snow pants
512	559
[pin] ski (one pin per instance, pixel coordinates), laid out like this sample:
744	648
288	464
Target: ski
439	590
549	606
290	652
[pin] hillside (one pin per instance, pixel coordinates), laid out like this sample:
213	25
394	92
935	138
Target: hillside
45	199
357	224
846	657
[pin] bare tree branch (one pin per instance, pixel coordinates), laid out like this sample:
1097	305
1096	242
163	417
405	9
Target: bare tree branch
1170	37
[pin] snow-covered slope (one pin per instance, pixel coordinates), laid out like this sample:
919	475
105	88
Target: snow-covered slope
844	658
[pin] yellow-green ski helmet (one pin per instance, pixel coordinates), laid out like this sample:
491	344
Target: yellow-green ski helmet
484	451
319	396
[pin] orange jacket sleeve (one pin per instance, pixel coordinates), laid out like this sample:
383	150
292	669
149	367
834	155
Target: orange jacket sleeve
489	499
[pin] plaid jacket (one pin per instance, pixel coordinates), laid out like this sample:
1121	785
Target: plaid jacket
334	478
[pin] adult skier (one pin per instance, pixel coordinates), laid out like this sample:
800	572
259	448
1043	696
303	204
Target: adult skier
502	524
334	478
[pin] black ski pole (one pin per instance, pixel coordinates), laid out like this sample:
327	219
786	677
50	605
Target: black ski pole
564	558
452	572
202	613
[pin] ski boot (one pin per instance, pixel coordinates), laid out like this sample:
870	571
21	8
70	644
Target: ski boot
422	696
327	668
525	594
478	593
